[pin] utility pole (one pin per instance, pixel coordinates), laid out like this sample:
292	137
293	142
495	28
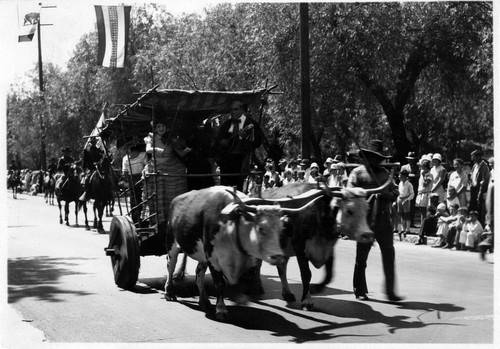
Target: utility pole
43	150
305	90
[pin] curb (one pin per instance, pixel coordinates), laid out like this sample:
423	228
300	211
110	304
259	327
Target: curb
16	332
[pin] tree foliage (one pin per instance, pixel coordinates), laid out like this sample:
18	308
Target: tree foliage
416	74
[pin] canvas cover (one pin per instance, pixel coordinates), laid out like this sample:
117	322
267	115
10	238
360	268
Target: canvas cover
178	107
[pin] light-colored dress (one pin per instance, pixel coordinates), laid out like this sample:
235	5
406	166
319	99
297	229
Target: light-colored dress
424	189
167	162
458	181
437	175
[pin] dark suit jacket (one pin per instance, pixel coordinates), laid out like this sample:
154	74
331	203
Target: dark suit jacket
236	145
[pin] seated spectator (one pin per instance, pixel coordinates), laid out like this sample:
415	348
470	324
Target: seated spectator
461	236
442	225
429	224
452	221
474	230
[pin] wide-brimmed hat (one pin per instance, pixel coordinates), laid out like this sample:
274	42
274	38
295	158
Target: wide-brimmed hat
376	147
328	161
314	164
411	156
404	172
337	158
66	150
476	152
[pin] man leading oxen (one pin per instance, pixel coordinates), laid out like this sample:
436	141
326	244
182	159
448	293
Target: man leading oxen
312	235
226	237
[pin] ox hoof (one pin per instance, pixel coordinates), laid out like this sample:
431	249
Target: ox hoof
221	316
61	222
77	225
317	288
307	306
170	297
67	223
289	297
87	227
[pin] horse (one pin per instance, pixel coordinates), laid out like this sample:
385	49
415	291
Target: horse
49	184
14	182
68	189
101	190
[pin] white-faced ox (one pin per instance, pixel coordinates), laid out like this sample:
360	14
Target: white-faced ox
224	236
312	235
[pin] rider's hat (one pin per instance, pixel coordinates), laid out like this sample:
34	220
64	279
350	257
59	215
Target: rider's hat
376	148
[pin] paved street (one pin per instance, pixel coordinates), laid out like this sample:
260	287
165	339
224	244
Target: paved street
61	290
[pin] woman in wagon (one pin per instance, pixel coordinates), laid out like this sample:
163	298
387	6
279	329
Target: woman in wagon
167	150
132	166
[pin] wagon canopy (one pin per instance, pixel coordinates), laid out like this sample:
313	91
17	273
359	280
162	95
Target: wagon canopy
176	106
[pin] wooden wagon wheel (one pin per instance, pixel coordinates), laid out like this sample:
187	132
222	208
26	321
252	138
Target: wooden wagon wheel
124	252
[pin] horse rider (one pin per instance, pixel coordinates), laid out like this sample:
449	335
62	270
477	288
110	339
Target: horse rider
91	157
52	167
64	163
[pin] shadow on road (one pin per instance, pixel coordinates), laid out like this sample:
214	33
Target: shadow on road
252	318
38	277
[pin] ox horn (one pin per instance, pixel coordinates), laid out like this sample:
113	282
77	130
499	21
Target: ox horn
244	207
380	189
295	211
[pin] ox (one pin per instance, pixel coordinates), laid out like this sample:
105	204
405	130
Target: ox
311	236
224	236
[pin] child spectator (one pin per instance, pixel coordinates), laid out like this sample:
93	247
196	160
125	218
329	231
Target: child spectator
442	225
403	202
301	176
473	229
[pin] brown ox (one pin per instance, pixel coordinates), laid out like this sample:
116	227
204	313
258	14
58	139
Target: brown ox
224	236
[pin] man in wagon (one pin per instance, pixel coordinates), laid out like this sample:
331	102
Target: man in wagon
238	138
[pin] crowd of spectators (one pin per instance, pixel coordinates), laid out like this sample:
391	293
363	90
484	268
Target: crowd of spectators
453	205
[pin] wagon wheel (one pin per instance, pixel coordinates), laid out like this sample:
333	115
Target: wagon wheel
124	252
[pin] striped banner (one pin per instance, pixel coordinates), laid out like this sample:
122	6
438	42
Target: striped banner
112	30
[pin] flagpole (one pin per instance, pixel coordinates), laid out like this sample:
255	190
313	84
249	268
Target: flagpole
43	148
43	151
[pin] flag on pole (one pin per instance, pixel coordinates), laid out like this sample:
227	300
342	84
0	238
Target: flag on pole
112	30
28	28
95	132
